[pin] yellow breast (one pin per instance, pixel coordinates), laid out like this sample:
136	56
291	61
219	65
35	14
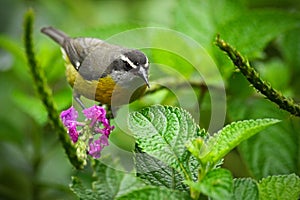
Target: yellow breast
105	90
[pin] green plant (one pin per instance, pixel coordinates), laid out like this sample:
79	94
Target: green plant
174	158
178	160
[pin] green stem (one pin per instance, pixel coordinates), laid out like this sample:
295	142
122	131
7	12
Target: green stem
253	77
194	193
45	92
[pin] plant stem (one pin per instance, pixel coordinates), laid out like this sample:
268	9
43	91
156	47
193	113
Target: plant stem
253	77
45	92
196	85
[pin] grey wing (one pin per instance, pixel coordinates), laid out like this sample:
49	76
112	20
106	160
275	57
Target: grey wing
78	49
91	57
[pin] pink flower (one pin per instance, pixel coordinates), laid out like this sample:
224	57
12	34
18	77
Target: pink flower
69	115
98	114
95	114
96	126
73	132
96	146
69	118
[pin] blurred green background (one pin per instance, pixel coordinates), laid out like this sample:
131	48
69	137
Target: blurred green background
33	164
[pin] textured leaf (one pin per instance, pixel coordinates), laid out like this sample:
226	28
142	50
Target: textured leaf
81	191
154	193
273	151
190	164
114	184
245	188
111	183
217	184
280	187
231	136
163	131
155	172
251	31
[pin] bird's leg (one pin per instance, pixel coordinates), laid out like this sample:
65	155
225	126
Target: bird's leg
77	99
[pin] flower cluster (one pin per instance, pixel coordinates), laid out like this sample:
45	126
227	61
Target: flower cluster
94	130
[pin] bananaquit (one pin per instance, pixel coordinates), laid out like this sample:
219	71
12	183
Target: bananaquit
107	73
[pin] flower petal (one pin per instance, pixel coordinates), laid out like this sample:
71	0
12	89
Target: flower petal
68	115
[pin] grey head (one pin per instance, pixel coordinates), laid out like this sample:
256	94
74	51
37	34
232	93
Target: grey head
129	64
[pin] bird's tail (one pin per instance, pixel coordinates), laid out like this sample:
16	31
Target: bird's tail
57	35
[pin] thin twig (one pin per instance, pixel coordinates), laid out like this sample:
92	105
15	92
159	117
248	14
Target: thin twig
196	85
253	77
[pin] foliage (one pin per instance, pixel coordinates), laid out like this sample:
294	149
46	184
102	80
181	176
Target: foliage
169	136
112	184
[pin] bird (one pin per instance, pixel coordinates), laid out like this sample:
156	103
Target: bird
107	73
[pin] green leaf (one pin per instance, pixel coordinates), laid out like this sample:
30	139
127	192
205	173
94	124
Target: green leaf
81	191
112	184
154	193
200	19
155	172
273	151
245	188
291	48
163	131
280	187
217	184
231	136
251	31
109	183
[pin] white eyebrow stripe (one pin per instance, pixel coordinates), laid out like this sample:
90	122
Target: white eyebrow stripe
126	59
147	63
